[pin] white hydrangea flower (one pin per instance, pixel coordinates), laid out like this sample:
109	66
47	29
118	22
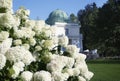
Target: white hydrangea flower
26	76
63	41
24	32
80	78
7	20
55	66
76	71
26	46
19	33
55	41
30	23
72	49
17	21
6	4
80	63
88	75
17	71
80	57
32	41
17	42
38	48
20	65
1	14
57	63
73	71
5	45
69	62
28	32
82	67
53	56
2	61
23	13
40	23
28	58
47	32
48	44
38	26
4	35
18	53
58	76
15	54
42	76
70	72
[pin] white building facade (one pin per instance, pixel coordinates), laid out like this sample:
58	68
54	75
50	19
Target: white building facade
72	30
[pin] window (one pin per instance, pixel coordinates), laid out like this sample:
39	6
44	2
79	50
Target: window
67	31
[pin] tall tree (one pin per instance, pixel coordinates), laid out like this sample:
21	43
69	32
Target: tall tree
87	18
73	18
101	27
108	24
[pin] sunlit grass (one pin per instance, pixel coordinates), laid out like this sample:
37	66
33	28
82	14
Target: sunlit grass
105	72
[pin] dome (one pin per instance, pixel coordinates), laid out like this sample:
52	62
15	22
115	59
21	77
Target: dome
57	16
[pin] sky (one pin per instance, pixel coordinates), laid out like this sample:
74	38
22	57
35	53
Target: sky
42	8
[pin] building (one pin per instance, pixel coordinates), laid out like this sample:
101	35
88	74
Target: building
60	19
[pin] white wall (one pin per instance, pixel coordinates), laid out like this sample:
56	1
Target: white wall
73	33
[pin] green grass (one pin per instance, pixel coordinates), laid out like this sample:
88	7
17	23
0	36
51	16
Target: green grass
105	72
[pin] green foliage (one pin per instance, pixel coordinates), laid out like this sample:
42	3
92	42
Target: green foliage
107	23
3	10
6	72
73	79
101	27
2	28
73	18
87	19
66	53
36	66
11	71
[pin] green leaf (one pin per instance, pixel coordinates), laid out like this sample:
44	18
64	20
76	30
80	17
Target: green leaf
3	10
6	80
11	72
20	80
0	73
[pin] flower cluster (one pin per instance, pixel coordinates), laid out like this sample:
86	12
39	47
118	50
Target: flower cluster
2	61
30	50
16	54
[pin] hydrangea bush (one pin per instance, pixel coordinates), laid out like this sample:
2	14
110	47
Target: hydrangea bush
30	50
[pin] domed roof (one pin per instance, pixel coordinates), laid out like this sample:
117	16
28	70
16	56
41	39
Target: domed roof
57	16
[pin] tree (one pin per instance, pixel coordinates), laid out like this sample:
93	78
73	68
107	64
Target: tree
101	27
108	25
73	18
87	18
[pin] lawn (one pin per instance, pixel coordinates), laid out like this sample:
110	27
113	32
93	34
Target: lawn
105	72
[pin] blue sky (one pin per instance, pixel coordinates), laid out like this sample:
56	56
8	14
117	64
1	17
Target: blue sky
42	8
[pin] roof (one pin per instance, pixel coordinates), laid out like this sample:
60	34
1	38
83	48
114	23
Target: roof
57	16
